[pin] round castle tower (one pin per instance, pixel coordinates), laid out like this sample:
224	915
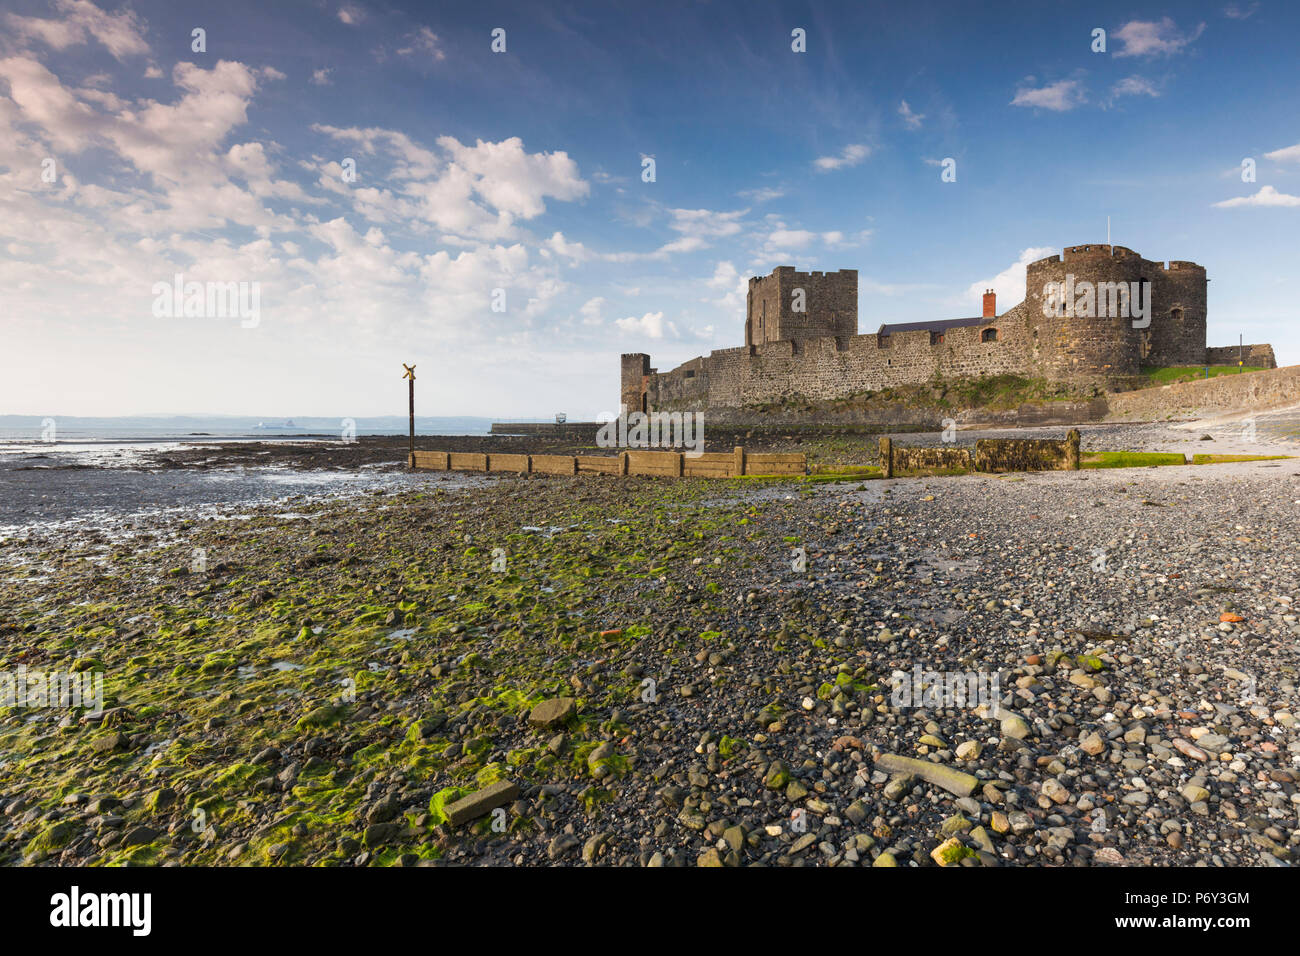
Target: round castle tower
1088	331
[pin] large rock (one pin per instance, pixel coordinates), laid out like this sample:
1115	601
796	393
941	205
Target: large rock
1013	725
551	712
482	802
1092	744
950	852
954	781
777	776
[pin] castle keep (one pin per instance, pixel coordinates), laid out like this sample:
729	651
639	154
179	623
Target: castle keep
1105	315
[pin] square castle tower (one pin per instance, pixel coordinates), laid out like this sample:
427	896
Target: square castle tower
790	306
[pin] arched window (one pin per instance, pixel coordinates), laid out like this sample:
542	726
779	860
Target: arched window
989	335
1177	316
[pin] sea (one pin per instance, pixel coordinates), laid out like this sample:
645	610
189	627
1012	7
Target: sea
66	474
19	429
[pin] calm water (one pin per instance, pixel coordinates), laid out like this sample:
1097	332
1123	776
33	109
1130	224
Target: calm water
56	428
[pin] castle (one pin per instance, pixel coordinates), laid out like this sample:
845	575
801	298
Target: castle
1096	315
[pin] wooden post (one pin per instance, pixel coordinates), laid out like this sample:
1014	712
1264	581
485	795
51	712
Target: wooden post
739	464
681	465
410	377
622	463
887	457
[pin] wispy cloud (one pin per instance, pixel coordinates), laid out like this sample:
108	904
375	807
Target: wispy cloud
1060	96
1152	38
851	155
1267	196
706	223
421	44
1134	86
122	34
351	14
651	325
910	120
1289	154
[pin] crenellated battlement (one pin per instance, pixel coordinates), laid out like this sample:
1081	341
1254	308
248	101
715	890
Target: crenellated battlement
1093	251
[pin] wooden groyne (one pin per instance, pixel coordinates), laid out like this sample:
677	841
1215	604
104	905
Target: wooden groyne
668	464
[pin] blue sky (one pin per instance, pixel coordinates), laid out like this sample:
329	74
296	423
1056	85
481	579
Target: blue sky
521	171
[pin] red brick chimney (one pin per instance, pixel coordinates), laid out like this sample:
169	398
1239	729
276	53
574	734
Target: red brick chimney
990	304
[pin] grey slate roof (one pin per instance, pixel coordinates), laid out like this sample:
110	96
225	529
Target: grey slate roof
938	325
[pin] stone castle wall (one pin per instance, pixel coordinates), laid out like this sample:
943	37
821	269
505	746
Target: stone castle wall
817	355
834	367
1255	356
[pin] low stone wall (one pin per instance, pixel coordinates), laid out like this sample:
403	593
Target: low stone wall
991	454
1028	454
1221	395
902	459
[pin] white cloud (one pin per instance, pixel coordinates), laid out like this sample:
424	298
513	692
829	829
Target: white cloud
122	34
910	120
1009	284
724	276
790	238
477	191
733	284
514	181
573	251
351	14
651	325
1235	12
1134	86
592	311
761	194
1267	196
706	223
321	77
851	155
1059	96
1289	154
1154	38
423	43
684	244
411	161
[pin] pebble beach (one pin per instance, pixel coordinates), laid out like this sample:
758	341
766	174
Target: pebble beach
432	669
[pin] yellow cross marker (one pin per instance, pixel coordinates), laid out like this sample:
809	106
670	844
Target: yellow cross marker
410	371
